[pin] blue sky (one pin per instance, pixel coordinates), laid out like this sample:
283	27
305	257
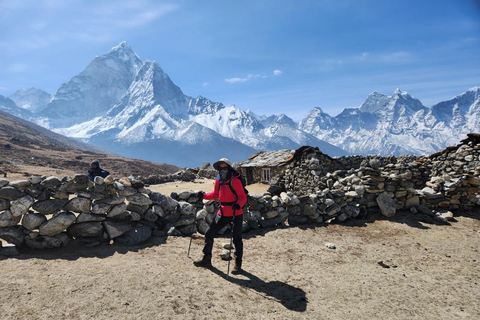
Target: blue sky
268	56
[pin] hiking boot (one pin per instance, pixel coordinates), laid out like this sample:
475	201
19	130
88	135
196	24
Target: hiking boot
237	269
205	262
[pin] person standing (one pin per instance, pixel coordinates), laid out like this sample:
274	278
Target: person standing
95	170
229	190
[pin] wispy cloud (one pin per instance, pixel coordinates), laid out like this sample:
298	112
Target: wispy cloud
236	80
206	84
277	72
249	77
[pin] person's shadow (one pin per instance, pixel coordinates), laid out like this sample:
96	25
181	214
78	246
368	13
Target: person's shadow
290	297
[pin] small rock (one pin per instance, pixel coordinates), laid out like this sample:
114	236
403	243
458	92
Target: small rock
227	245
98	180
225	255
108	180
330	246
125	181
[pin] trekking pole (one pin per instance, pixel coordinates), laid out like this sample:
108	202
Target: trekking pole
189	246
231	243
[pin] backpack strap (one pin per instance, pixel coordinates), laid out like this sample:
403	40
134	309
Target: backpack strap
233	191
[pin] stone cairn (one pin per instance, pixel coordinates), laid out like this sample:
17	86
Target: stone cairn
49	212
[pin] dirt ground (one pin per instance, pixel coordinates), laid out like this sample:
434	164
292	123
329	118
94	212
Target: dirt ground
407	267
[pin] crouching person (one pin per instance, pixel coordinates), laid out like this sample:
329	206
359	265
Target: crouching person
229	190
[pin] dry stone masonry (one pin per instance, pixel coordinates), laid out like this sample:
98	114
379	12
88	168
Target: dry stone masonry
49	212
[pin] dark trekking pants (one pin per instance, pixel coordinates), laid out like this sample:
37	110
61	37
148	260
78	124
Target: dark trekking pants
215	227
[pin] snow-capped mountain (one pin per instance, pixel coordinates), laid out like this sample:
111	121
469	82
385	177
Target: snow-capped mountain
280	133
7	105
34	100
397	124
156	121
151	122
95	90
133	108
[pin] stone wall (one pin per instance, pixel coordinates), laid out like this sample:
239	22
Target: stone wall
446	180
50	212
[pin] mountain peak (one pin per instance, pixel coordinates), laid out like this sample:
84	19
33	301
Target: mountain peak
31	99
124	53
121	46
317	110
375	101
399	92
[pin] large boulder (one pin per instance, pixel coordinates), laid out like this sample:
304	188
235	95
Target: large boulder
101	208
72	187
21	205
57	224
386	205
37	241
136	236
20	184
13	235
185	221
79	204
51	183
166	202
10	193
49	206
7	219
186	208
87	229
117	210
90	217
139	199
35	180
112	200
32	221
116	229
80	178
127	191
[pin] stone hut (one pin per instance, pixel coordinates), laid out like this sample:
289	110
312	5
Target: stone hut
265	165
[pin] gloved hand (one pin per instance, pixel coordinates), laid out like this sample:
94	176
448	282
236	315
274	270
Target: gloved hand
236	206
200	195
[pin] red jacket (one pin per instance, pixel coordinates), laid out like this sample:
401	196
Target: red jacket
225	195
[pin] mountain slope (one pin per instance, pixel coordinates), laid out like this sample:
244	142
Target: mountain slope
30	149
7	105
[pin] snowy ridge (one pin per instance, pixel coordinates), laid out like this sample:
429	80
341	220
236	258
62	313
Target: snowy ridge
398	124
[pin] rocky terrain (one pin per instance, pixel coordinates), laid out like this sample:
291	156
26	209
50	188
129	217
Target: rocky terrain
27	149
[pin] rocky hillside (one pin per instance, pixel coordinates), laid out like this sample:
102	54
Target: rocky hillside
32	150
